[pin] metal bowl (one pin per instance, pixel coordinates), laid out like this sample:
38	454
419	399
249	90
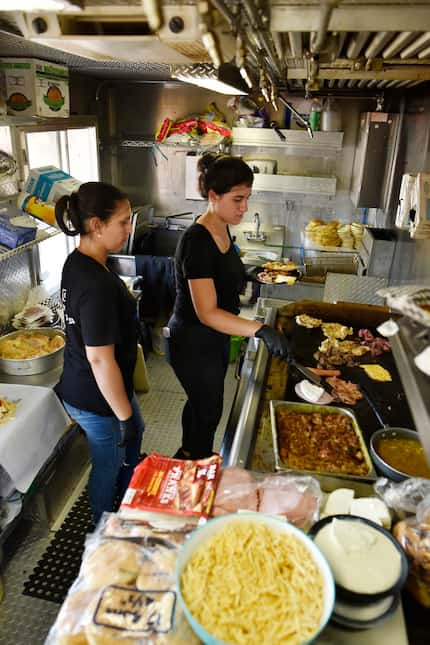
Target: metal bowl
28	366
390	433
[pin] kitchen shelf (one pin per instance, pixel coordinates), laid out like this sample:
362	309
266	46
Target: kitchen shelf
295	184
411	339
324	142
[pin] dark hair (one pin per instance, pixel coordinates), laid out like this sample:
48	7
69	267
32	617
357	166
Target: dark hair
221	172
94	198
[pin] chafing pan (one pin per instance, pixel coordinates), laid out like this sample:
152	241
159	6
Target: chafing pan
322	409
28	366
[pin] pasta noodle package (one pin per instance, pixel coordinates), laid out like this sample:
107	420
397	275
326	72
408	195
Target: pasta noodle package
297	498
125	593
161	485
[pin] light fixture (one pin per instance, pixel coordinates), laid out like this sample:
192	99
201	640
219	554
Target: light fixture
225	79
39	5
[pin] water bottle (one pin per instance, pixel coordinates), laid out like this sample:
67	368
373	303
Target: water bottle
315	115
331	117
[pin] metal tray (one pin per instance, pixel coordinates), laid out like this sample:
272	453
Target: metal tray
323	409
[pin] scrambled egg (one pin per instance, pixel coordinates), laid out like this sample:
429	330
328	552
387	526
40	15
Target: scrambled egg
377	372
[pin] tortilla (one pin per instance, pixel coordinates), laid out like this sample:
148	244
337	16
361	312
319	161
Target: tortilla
308	321
336	330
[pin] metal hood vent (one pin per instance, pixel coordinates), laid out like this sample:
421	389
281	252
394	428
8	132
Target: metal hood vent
310	45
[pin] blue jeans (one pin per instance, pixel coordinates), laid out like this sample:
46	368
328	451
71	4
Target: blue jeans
112	466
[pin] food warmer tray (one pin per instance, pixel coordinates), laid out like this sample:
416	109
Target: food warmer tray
322	409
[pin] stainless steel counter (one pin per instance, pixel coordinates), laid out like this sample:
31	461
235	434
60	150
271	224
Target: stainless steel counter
46	379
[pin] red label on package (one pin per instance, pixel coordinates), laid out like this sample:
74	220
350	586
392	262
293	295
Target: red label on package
176	486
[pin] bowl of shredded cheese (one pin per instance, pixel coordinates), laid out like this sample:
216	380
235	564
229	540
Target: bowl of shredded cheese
251	578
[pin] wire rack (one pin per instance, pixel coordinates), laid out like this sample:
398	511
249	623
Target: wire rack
323	262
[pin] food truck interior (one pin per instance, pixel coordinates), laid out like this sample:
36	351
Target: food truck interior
328	101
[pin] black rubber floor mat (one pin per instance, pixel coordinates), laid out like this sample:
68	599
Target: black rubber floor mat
59	565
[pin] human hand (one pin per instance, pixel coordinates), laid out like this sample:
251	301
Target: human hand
128	431
274	340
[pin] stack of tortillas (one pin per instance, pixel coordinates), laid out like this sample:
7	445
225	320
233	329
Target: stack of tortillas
357	231
324	234
345	234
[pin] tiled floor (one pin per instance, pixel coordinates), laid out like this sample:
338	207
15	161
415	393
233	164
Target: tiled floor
25	620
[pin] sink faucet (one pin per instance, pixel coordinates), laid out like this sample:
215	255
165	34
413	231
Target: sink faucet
256	235
169	217
257	225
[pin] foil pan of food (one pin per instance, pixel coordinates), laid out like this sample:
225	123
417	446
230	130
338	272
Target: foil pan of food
28	352
319	440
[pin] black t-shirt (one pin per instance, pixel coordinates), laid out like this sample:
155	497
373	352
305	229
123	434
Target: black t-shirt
99	310
198	256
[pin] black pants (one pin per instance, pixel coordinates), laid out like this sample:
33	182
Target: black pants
199	356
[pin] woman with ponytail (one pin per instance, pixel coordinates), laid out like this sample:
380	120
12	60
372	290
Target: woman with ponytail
96	385
209	278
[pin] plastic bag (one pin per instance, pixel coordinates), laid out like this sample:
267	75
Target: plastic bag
403	497
295	497
414	536
125	593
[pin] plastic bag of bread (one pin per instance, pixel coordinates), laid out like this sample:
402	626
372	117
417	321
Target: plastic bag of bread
125	593
414	536
295	497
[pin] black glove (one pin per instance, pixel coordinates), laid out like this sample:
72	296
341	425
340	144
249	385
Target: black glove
128	431
274	340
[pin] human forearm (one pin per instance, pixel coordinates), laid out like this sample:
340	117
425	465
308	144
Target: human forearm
228	323
111	384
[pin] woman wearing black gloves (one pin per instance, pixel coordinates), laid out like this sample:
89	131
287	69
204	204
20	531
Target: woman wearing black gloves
209	278
96	385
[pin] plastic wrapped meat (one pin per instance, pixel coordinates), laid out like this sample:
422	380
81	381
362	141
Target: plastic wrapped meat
237	490
296	498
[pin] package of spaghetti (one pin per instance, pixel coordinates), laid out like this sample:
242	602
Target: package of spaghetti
295	497
125	593
163	486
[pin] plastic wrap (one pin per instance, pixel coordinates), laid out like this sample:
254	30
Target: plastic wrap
125	593
295	497
414	536
403	497
165	486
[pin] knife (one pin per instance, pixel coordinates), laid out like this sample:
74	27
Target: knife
307	372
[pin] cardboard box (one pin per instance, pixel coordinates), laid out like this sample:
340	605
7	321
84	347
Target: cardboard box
12	235
35	87
50	183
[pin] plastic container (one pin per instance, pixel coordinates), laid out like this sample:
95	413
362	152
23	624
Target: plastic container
331	120
35	206
235	343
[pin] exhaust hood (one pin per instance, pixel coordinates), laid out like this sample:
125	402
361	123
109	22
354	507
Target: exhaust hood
311	45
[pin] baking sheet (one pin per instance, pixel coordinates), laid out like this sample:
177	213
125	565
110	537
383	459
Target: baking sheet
307	408
29	438
389	398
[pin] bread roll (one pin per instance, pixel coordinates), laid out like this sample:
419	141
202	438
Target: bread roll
74	614
158	570
113	562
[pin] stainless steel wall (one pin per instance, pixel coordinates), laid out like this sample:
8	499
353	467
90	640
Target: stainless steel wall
135	110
